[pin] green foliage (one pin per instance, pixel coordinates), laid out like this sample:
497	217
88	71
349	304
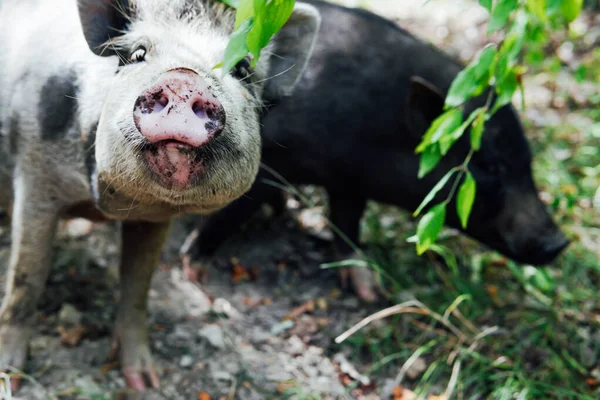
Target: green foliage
496	74
255	24
465	199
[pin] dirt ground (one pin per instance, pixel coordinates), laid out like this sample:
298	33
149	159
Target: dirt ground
226	337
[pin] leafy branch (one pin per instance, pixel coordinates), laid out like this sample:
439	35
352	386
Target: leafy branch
496	69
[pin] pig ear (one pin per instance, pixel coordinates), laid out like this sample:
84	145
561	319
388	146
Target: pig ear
292	48
425	104
101	21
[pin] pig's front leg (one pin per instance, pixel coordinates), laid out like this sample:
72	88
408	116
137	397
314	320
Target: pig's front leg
345	214
140	254
34	218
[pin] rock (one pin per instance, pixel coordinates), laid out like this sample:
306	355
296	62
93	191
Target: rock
295	346
222	306
87	386
79	227
68	315
214	335
186	361
181	333
416	368
222	376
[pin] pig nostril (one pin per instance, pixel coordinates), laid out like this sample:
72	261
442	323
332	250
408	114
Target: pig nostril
163	101
160	103
199	110
210	113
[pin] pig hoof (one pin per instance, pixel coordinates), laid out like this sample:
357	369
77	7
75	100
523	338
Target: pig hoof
136	361
364	284
194	271
13	350
362	280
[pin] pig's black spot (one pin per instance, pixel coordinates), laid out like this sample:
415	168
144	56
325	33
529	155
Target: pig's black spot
89	149
13	134
58	104
20	279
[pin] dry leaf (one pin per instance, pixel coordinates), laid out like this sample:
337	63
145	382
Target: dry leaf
203	396
72	336
401	393
284	386
307	307
110	366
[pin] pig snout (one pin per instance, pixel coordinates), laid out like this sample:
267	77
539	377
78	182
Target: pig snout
547	249
177	116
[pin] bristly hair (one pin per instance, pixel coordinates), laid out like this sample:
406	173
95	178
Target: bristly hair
197	14
216	12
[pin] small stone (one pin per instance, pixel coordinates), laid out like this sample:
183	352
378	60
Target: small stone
186	361
222	376
295	346
222	306
181	333
87	386
214	335
79	227
417	368
69	315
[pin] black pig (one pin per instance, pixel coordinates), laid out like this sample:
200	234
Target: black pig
368	95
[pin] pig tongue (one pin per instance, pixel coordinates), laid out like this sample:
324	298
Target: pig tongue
174	163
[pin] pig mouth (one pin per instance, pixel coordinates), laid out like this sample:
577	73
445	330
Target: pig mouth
177	165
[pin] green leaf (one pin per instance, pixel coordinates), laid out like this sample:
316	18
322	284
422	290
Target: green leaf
429	227
465	199
570	9
441	126
429	159
231	3
537	8
477	129
438	186
461	88
487	4
237	48
553	6
245	11
270	16
447	141
506	89
483	63
501	14
473	79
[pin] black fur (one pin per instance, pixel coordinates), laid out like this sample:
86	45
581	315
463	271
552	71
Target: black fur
58	105
103	20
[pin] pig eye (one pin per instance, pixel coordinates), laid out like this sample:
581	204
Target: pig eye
138	55
242	69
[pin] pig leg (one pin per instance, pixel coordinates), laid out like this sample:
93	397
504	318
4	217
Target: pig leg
345	214
140	254
33	222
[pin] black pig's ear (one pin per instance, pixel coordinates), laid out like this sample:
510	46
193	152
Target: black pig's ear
425	104
101	21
